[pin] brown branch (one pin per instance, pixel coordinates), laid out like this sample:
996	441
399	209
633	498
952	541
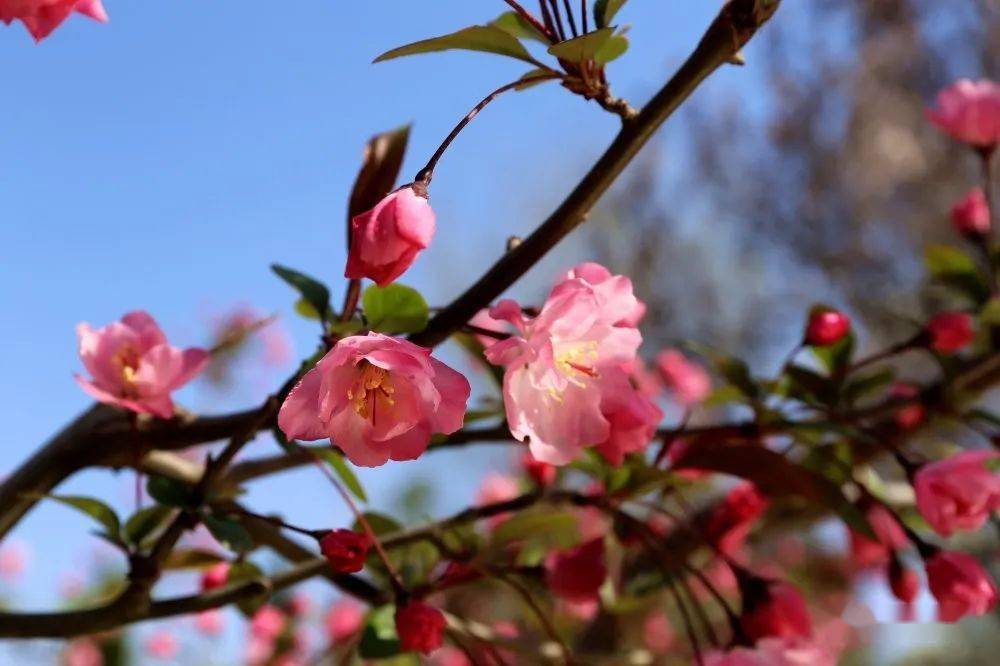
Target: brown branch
728	33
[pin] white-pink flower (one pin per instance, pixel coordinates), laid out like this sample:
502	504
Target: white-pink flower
132	366
377	398
554	368
41	17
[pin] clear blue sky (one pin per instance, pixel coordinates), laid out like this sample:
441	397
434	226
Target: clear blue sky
163	160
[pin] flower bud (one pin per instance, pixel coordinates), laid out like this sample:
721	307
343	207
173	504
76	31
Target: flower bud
971	215
949	332
578	573
960	585
969	111
420	627
215	576
772	609
540	472
387	239
826	327
958	493
345	550
903	581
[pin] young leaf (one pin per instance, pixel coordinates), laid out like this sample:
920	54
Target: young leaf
191	558
484	38
94	508
518	27
558	529
613	49
954	268
144	522
605	10
168	491
395	309
313	291
379	639
584	47
344	471
229	533
382	161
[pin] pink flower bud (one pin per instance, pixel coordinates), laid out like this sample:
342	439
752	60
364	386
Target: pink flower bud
387	239
343	621
950	332
971	215
209	622
162	645
82	652
420	627
541	473
577	574
969	111
132	366
827	327
688	381
908	416
345	550
657	633
890	538
378	398
215	576
903	581
41	17
732	519
959	493
773	609
267	623
960	585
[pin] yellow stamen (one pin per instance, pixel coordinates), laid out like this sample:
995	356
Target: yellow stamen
373	386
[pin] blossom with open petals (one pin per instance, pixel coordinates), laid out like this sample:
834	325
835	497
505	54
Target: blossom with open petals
41	17
969	111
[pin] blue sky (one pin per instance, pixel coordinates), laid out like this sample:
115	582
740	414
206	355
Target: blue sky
164	160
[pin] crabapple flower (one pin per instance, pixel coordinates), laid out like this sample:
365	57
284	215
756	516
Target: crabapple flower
14	558
632	417
41	17
821	649
541	473
612	289
162	645
688	381
969	111
215	576
387	239
420	627
826	327
950	332
343	620
209	622
960	585
773	609
495	488
483	320
267	623
732	519
911	415
866	552
554	368
82	652
903	581
577	574
377	398
132	366
958	493
657	633
345	550
971	215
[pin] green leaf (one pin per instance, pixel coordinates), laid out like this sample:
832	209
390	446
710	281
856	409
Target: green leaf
837	357
556	529
378	638
954	268
868	384
605	10
312	290
144	522
990	314
94	508
229	533
169	491
380	523
242	571
732	369
305	309
534	78
484	38
344	471
191	558
379	170
774	474
582	48
518	27
395	309
613	49
809	385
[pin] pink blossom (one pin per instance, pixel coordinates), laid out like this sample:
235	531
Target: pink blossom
162	645
971	215
577	574
960	585
732	519
950	332
13	560
387	239
969	111
612	289
343	620
345	550
890	537
82	652
482	319
268	623
496	488
773	608
41	17
450	656
552	384
645	379
821	649
657	633
903	581
420	627
132	366
826	327
541	473
376	398
688	381
209	622
632	417
584	611
958	493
